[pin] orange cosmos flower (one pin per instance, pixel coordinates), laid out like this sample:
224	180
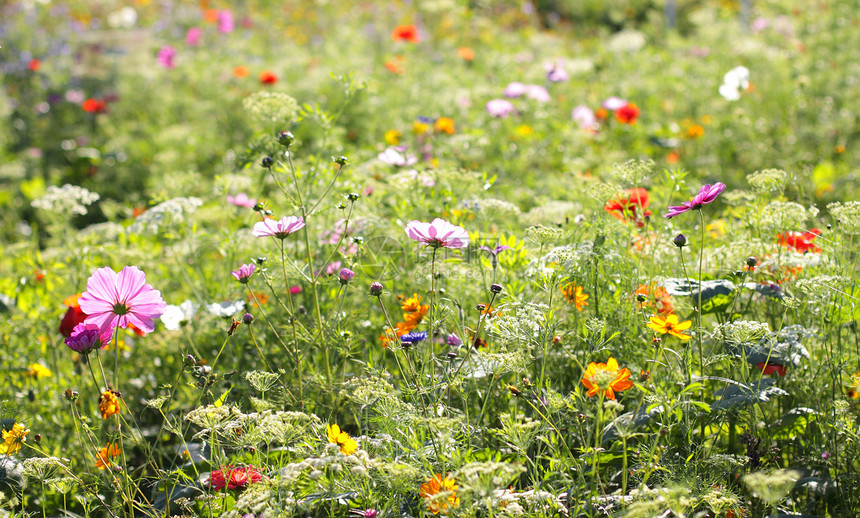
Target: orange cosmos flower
267	77
395	65
104	456
656	297
241	71
465	53
444	125
627	114
407	33
574	295
673	157
440	494
695	131
606	378
670	325
109	404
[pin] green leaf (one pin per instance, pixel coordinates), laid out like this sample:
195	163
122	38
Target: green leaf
222	399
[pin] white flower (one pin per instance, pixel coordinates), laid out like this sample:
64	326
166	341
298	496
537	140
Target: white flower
225	309
68	199
174	316
734	81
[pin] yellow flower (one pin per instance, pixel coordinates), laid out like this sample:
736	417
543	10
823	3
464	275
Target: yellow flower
37	370
440	494
444	125
13	438
420	128
104	456
525	130
109	404
670	325
392	137
695	131
335	436
574	295
606	378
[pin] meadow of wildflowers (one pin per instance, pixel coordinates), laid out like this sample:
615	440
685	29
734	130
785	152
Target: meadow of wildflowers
388	259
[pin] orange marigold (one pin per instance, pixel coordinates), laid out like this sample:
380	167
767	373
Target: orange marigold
574	295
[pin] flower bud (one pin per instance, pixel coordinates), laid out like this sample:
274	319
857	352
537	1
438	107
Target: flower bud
286	138
260	260
496	288
353	196
340	160
680	240
189	360
641	297
345	276
376	289
751	261
247	318
267	162
71	395
259	207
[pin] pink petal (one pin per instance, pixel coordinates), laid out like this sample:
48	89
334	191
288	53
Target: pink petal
141	322
102	284
129	282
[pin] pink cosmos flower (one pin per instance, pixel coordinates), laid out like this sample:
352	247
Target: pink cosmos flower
86	338
614	103
295	290
515	89
244	273
584	116
397	156
121	299
538	93
706	194
241	200
280	229
500	108
555	72
166	56
193	36
225	21
438	233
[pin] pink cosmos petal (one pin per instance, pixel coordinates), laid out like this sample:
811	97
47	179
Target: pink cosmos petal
129	282
143	323
614	103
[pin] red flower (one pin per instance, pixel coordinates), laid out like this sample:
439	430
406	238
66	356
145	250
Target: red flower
34	64
73	316
94	105
268	77
406	33
235	478
626	208
601	114
800	241
628	114
769	368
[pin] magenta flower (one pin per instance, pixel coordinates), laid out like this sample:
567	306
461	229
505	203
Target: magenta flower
244	273
614	103
295	290
225	21
346	275
241	200
499	108
538	93
166	56
86	338
193	36
555	72
119	299
706	194
438	233
280	229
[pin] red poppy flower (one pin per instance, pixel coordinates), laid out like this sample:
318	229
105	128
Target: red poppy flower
268	77
628	206
406	33
34	64
73	316
627	114
768	368
800	241
241	477
94	105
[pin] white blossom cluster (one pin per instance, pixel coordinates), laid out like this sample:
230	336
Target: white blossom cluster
67	200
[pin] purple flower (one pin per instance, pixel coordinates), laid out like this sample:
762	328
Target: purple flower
244	273
515	89
706	194
86	338
345	275
193	36
376	289
538	93
494	251
166	56
438	233
614	103
454	340
118	299
225	21
414	337
555	73
397	156
584	116
499	108
241	200
365	513
331	268
280	229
